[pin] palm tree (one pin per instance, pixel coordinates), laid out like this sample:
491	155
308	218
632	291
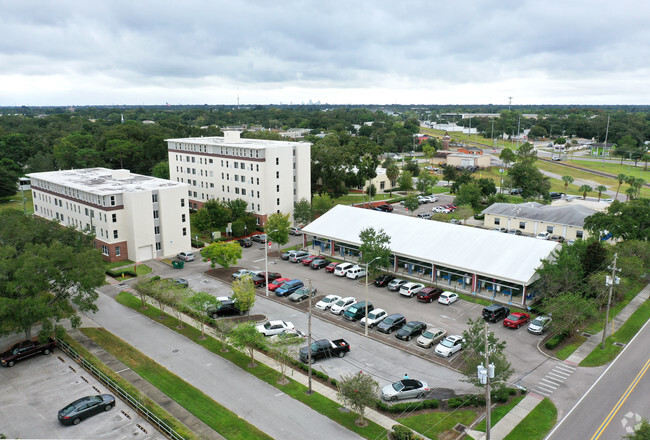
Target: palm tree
392	172
630	192
585	189
637	185
621	178
567	180
645	158
601	189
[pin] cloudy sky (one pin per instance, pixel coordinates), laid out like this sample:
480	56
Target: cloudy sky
341	52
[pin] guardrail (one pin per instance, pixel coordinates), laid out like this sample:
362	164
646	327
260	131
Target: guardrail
110	383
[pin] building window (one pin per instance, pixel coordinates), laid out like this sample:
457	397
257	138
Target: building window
158	247
243	178
497	221
182	203
277	174
522	225
277	188
104	249
257	167
278	201
236	164
155	214
115	233
236	190
154	198
382	185
184	232
183	218
258	194
242	165
277	161
112	200
156	230
194	193
243	191
118	251
549	229
579	234
236	177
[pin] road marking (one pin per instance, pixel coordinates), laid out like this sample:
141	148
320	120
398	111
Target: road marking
538	390
549	386
559	373
568	370
621	401
447	317
545	388
555	377
257	261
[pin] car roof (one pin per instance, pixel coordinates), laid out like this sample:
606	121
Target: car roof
410	382
454	338
277	321
395	315
447	292
377	310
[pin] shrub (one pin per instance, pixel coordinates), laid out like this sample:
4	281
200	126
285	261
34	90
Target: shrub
120	272
238	228
155	278
334	382
512	391
501	395
403	433
555	340
458	402
196	243
408	406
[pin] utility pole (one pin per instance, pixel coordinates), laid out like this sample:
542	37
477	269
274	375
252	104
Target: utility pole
612	281
309	391
493	140
488	404
509	102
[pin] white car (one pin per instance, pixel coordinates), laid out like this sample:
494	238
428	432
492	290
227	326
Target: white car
275	327
440	209
539	325
425	215
355	272
342	269
432	198
374	317
543	236
342	305
410	289
243	272
423	199
448	298
327	302
185	256
450	345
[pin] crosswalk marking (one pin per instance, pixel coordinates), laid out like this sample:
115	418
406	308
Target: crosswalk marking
553	379
549	382
556	377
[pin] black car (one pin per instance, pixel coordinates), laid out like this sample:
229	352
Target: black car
386	208
226	308
514	232
391	322
495	312
245	242
383	280
260	278
319	263
410	329
85	407
556	195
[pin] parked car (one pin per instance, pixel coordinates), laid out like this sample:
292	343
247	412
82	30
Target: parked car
243	272
383	280
259	238
225	308
245	242
516	191
392	322
422	199
324	348
448	298
386	207
260	278
273	285
342	269
274	327
182	282
295	231
432	198
405	389
297	257
288	287
424	215
504	230
539	325
355	272
440	210
185	256
319	263
342	305
396	284
374	317
516	320
428	294
88	406
302	294
358	310
410	289
308	259
327	302
557	238
543	236
495	312
25	349
331	267
514	232
450	345
288	254
431	337
556	195
454	221
410	330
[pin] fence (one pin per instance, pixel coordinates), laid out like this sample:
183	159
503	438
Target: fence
110	383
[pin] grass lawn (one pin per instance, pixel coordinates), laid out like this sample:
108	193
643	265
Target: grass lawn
499	412
537	424
613	167
194	400
434	423
475	299
16	202
351	198
568	349
597	323
316	401
624	334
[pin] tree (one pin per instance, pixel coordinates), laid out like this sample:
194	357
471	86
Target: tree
201	220
283	348
569	310
223	253
198	303
469	194
161	293
488	187
177	298
405	181
561	271
246	337
585	189
567	181
392	172
218	212
237	208
358	391
243	293
8	182
474	350
449	173
559	141
302	213
530	179
429	151
277	228
624	220
537	132
507	156
464	212
601	189
411	203
375	248
144	288
222	329
161	170
413	167
321	204
621	178
641	431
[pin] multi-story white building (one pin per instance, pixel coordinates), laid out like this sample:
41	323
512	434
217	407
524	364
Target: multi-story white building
133	216
268	175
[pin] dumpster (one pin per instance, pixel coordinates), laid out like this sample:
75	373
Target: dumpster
178	264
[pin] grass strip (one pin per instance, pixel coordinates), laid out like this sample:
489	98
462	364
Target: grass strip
435	423
219	418
133	391
624	334
536	424
566	351
475	299
317	402
498	413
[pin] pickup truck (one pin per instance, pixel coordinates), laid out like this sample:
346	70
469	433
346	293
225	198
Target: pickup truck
324	348
25	349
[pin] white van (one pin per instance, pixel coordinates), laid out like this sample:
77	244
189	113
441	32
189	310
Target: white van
356	272
342	269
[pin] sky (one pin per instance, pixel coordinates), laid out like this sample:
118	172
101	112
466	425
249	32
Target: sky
337	52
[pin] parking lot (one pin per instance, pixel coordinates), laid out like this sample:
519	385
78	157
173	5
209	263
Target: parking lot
35	389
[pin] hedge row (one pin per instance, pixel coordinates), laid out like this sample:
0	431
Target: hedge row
408	406
555	340
115	273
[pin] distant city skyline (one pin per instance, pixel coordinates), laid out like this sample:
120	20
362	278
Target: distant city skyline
353	52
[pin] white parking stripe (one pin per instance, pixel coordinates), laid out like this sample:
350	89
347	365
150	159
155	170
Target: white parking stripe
556	377
550	386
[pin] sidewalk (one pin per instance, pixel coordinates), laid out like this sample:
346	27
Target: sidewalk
511	420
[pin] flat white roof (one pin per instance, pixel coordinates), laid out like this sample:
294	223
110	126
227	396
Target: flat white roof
104	181
236	142
473	250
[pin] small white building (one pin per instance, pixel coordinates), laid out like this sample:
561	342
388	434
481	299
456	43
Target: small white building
133	217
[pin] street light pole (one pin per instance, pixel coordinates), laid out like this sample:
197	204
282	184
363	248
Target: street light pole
366	321
309	391
487	386
266	261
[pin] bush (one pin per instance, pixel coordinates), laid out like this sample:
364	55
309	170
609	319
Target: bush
238	229
555	340
459	402
155	278
408	406
196	243
115	273
334	382
403	433
501	395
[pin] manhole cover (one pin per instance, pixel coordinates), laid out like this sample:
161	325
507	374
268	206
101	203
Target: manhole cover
587	335
619	344
175	351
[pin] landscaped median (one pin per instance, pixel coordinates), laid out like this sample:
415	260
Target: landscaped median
536	424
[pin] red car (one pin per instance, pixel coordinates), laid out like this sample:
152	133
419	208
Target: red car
428	294
308	260
330	267
516	320
451	207
277	283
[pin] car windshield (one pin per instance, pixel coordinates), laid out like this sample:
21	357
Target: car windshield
267	325
447	343
409	327
373	315
389	320
328	300
398	386
513	317
538	321
427	335
353	309
340	302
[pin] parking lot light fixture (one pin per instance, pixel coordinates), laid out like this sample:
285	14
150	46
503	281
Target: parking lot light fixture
366	311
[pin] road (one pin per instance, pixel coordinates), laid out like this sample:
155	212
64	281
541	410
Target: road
617	400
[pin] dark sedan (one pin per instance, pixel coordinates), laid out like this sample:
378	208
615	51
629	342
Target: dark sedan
411	329
225	308
85	407
319	263
302	294
391	322
260	278
245	242
386	208
383	280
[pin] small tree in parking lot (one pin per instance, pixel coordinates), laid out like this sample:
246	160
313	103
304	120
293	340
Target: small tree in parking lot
243	293
245	336
199	303
283	348
375	248
474	354
222	329
411	203
358	391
